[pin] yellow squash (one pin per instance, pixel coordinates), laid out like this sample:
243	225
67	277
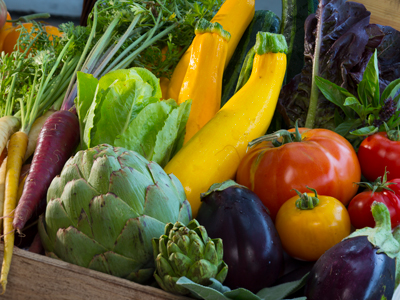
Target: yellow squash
234	16
214	153
203	79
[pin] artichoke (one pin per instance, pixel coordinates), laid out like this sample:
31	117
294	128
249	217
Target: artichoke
105	208
187	251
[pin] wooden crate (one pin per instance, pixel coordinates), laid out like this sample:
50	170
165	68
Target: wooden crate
383	12
37	277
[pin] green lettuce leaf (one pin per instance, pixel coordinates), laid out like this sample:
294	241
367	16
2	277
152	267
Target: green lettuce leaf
123	109
122	103
170	137
86	86
141	134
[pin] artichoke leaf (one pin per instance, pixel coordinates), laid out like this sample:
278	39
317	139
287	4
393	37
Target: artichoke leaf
185	213
130	185
86	159
75	247
77	196
101	171
109	214
159	206
135	239
163	181
56	188
117	265
133	160
201	272
44	237
180	191
56	217
180	263
84	224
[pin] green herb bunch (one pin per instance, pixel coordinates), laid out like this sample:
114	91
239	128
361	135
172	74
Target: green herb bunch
369	111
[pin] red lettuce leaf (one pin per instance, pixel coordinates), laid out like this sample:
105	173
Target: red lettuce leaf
338	44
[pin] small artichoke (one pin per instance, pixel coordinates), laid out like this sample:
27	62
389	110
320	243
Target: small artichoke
187	251
105	208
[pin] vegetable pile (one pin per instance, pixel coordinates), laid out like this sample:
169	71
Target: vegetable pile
195	147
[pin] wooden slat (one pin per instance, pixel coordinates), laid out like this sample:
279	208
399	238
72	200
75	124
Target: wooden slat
383	12
37	277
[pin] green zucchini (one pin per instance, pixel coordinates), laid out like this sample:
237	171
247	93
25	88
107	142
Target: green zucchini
264	20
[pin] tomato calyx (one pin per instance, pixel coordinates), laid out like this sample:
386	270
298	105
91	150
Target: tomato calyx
285	136
394	134
378	185
305	201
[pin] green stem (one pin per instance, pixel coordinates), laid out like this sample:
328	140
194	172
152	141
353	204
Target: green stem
128	60
124	53
312	109
30	17
99	48
288	137
117	46
306	202
65	106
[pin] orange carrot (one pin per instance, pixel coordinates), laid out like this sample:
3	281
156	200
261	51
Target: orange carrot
16	153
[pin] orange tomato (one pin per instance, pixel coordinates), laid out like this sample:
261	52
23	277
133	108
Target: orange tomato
11	39
321	159
5	31
307	233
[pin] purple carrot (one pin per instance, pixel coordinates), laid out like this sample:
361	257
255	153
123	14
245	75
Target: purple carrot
36	246
58	139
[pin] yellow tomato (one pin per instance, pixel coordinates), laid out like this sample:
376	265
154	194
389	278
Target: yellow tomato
307	233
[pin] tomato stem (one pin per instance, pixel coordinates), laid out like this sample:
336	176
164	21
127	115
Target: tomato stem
287	137
378	185
306	202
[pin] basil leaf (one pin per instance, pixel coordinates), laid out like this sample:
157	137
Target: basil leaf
355	105
368	89
391	90
365	131
335	94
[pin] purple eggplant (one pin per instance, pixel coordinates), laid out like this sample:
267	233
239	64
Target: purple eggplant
252	247
361	267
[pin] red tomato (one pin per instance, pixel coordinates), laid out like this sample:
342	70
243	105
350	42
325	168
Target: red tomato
360	206
323	159
377	152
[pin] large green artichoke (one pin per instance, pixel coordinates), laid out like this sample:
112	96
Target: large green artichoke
105	208
187	251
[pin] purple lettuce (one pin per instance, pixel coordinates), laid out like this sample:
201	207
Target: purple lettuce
339	41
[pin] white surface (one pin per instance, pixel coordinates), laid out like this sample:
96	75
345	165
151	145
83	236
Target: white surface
67	8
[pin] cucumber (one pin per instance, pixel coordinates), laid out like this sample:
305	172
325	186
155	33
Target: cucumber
264	20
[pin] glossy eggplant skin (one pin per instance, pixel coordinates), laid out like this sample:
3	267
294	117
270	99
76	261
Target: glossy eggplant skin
252	247
352	270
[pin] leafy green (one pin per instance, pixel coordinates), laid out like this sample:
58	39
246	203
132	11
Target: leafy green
338	43
123	109
368	113
135	33
216	291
